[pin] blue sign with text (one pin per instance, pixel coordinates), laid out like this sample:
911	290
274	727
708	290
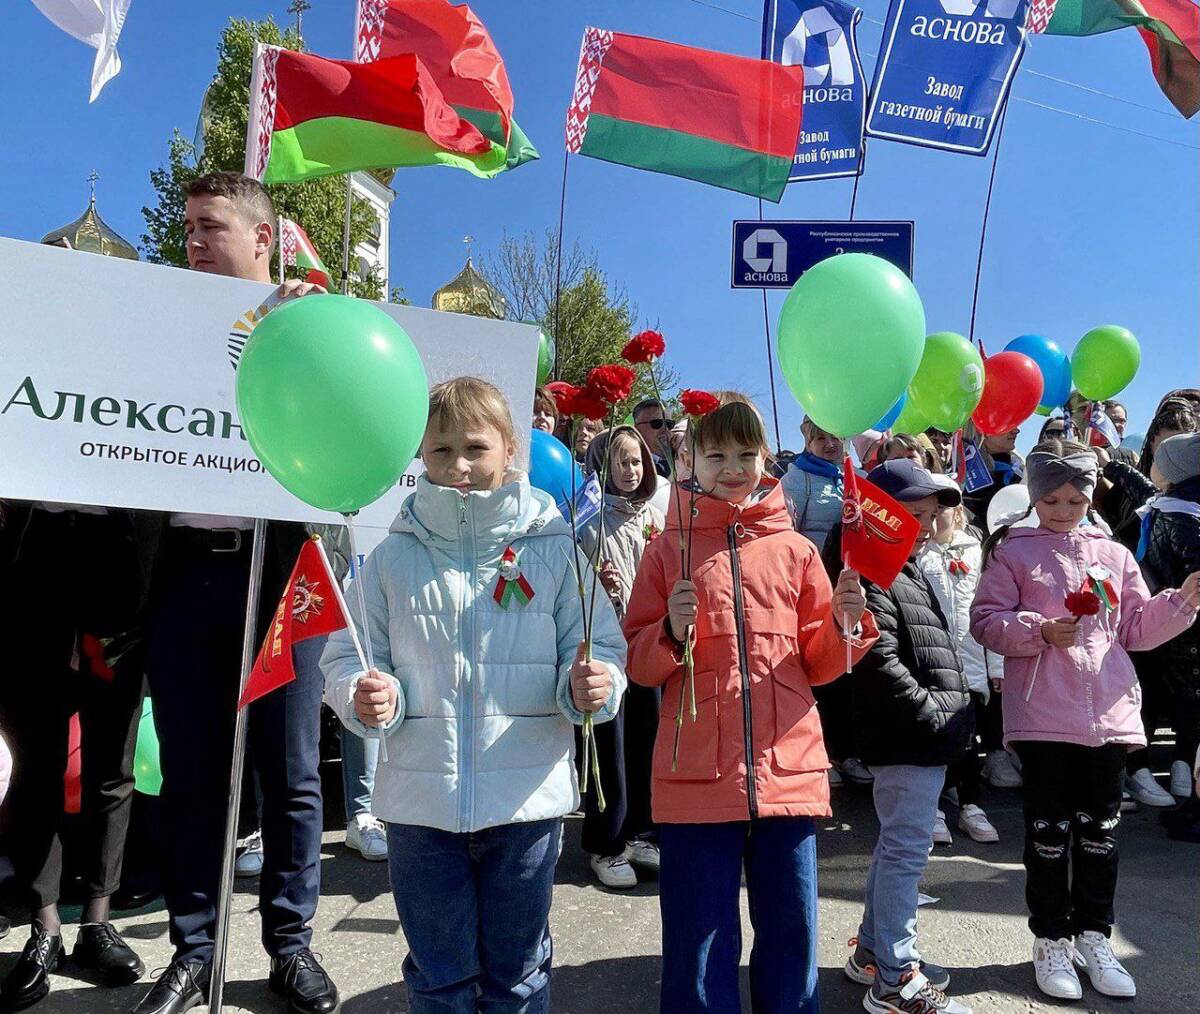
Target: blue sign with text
772	255
945	68
820	36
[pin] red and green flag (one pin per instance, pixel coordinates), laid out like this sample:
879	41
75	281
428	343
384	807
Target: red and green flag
312	117
297	250
730	121
457	50
1170	29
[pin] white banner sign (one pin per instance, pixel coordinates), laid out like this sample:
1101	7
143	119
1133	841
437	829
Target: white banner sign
117	386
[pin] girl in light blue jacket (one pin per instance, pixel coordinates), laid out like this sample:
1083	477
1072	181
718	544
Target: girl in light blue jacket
474	596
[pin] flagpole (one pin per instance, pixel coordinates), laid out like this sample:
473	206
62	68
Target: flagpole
562	210
987	207
362	609
346	237
225	893
279	246
770	358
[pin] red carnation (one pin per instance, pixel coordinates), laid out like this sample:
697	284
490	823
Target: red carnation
613	383
644	348
1082	603
698	403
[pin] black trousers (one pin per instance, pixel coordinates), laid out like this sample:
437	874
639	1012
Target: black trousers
625	747
51	595
835	705
193	662
966	773
1072	809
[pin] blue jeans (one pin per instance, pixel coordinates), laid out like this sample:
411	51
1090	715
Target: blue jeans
359	760
699	893
906	800
475	910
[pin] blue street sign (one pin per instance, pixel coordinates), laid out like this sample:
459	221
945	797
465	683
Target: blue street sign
772	255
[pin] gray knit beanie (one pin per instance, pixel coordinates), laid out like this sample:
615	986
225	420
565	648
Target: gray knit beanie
1178	457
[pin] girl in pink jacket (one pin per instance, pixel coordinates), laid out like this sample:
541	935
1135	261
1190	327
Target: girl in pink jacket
1064	605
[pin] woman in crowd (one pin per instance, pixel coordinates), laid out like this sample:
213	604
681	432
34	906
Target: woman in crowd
1006	466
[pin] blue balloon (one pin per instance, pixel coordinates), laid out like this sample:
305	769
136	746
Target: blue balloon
551	467
893	413
1054	363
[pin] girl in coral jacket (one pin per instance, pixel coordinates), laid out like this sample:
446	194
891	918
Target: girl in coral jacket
739	785
1064	605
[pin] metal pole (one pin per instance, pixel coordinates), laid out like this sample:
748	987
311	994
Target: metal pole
225	895
346	238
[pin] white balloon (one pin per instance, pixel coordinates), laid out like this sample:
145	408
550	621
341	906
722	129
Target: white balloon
1009	507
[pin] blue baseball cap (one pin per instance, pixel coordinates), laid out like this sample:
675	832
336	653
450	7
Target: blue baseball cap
907	481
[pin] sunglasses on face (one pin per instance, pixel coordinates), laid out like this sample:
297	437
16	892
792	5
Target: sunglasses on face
655	424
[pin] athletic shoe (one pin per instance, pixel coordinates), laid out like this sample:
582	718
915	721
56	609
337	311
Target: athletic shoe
941	833
1128	803
249	861
1000	772
1054	968
613	871
975	822
1146	790
856	771
643	854
835	779
365	834
860	967
915	995
1094	953
1181	779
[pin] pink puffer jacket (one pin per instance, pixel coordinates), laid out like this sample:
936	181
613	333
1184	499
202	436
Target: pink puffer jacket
1087	694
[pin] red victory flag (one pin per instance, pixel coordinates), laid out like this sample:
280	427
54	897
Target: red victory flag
311	606
458	52
877	532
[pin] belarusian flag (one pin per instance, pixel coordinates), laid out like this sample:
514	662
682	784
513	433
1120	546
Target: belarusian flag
313	117
457	50
730	121
311	606
1170	29
297	250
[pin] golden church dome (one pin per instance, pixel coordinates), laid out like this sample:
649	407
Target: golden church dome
90	233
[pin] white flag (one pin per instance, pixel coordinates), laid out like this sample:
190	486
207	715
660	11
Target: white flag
96	22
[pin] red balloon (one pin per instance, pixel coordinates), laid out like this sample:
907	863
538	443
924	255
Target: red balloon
1012	390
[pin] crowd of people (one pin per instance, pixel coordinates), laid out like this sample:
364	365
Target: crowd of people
732	676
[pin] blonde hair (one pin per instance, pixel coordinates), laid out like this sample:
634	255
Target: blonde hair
737	421
464	402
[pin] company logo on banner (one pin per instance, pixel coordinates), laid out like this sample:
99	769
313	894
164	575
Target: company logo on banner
945	70
819	35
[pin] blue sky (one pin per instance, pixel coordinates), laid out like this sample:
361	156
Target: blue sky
1090	224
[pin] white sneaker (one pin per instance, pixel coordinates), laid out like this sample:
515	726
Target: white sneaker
249	859
835	779
613	871
1054	967
643	854
856	771
975	822
1000	772
941	833
1181	779
915	993
1146	790
1093	951
365	833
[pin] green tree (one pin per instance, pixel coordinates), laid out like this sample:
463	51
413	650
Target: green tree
318	205
594	317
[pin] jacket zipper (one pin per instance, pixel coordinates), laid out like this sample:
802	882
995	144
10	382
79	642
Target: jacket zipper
465	688
739	612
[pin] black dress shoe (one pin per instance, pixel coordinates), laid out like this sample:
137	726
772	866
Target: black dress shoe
100	949
181	987
29	980
303	981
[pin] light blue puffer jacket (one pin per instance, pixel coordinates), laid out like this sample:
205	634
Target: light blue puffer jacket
814	502
483	734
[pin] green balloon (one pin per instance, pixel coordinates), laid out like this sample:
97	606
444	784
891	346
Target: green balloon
545	357
147	772
850	337
949	382
334	399
1105	361
911	420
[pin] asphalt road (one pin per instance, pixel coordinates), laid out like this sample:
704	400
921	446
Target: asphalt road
606	943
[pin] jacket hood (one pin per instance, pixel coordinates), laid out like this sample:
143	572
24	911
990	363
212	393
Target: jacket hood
594	465
515	510
765	513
